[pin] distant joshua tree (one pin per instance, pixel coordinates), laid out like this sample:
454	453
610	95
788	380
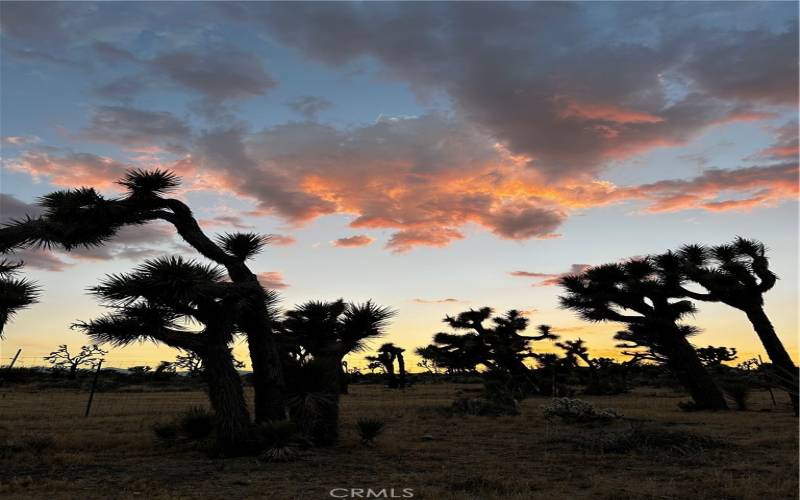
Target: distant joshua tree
738	275
89	355
156	301
316	337
15	293
82	217
501	348
715	356
387	354
638	294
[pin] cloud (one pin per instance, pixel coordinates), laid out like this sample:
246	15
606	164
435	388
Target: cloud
37	258
438	301
541	85
309	106
137	129
12	208
69	169
19	140
218	74
550	279
786	145
225	220
281	240
359	240
272	280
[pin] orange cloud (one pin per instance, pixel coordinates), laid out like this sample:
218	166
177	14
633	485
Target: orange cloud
359	240
573	109
550	279
438	301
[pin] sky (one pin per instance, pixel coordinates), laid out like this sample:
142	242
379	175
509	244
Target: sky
433	157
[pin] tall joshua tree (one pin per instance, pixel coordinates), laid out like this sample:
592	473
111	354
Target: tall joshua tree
637	294
15	293
738	275
82	217
319	335
156	301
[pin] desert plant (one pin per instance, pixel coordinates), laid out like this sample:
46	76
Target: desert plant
79	217
15	293
641	293
369	429
640	437
89	355
279	441
577	411
155	301
738	275
196	423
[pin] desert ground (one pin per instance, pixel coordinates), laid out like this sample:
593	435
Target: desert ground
113	453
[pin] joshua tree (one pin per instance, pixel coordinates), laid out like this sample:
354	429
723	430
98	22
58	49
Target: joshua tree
156	301
500	348
89	355
738	275
317	336
638	294
387	354
15	293
82	217
715	356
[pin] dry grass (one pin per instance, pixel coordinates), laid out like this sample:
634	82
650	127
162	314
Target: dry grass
113	453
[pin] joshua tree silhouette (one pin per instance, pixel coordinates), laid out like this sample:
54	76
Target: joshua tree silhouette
89	355
156	300
15	293
738	275
317	336
387	354
500	348
83	217
639	294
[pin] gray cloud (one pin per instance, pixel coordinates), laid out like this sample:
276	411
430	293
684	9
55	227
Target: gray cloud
134	128
309	106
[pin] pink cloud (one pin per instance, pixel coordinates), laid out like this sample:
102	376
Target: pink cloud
281	240
438	301
359	240
272	280
550	279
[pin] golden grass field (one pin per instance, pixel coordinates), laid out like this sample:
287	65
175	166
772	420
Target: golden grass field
113	453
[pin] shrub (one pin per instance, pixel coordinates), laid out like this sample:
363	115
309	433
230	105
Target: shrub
279	441
196	423
166	433
484	407
649	439
577	411
369	429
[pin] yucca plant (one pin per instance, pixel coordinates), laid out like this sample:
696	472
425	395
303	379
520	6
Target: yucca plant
15	293
369	429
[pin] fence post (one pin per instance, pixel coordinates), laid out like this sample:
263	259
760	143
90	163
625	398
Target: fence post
94	385
8	370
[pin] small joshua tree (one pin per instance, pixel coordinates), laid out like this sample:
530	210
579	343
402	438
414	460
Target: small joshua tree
89	356
715	356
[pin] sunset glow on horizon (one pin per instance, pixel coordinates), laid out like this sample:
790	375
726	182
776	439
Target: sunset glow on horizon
432	158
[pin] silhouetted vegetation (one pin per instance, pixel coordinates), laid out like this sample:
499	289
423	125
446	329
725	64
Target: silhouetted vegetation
15	293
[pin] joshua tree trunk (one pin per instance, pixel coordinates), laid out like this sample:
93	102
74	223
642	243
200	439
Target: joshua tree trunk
401	366
390	376
268	383
787	371
692	374
321	422
73	371
227	400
